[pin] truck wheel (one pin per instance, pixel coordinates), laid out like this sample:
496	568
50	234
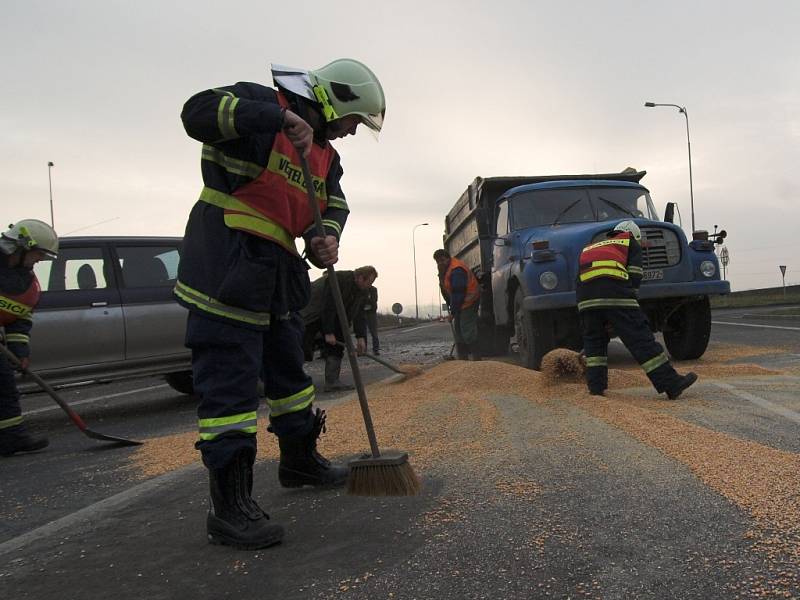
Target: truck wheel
180	382
688	330
533	333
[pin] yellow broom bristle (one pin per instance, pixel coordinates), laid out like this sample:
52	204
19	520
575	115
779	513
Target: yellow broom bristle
383	480
563	366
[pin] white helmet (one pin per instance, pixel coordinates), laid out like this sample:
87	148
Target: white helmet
32	234
342	87
631	228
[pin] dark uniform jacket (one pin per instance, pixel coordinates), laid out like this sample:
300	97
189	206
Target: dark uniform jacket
320	315
15	281
226	273
371	303
609	292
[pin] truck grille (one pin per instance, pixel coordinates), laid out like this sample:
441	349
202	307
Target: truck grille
660	248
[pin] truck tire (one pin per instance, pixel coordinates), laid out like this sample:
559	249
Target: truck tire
688	330
533	333
181	382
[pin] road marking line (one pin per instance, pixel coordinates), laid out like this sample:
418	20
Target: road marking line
776	408
88	400
754	325
95	513
414	328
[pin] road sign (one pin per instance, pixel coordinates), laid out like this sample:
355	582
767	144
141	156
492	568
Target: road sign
397	308
783	269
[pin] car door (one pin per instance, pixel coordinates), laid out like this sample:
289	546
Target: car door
78	321
155	324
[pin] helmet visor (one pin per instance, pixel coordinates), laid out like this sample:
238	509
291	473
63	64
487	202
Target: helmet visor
374	122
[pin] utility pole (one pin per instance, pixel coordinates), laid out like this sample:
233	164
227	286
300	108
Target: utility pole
414	251
50	166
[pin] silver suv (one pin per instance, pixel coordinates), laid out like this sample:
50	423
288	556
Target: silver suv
107	312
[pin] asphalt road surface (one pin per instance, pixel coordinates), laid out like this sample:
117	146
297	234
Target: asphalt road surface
529	492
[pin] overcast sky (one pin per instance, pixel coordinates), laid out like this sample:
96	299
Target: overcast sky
473	89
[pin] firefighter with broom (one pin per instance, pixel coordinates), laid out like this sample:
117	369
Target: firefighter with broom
244	282
610	272
22	246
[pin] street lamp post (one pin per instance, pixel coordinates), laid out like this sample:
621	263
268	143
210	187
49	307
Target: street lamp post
50	165
414	251
682	109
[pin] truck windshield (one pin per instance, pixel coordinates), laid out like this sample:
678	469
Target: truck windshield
539	208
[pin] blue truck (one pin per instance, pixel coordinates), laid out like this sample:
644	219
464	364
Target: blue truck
522	237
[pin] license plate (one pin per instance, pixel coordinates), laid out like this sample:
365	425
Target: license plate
653	274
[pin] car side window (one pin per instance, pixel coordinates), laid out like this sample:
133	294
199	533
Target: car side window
74	269
502	219
148	266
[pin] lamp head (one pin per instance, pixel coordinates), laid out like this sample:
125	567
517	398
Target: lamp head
649	104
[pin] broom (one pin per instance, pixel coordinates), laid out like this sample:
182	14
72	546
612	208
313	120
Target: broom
408	371
388	474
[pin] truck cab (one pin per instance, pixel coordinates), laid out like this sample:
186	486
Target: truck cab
530	242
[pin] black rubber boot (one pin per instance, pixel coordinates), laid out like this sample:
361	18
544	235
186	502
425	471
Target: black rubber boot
333	366
301	464
17	439
462	351
234	518
684	382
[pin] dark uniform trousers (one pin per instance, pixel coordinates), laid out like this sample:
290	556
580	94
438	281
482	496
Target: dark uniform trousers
371	318
226	363
10	409
631	325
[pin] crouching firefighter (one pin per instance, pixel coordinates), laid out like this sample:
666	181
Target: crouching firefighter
607	294
244	282
21	247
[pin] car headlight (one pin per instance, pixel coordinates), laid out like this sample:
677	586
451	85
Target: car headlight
548	280
708	268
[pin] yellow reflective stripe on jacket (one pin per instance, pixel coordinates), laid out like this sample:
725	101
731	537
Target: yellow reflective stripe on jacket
215	307
282	165
15	308
608	303
596	361
654	363
604	272
225	114
617	241
248	219
608	263
13	421
335	225
18	338
294	403
243	422
337	202
635	270
262	227
231	165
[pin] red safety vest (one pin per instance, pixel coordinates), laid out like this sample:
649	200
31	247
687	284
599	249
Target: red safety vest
278	195
608	258
473	293
19	306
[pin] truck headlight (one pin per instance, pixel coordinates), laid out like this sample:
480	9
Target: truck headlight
708	268
548	280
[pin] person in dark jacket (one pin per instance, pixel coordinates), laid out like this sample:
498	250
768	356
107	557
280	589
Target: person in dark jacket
607	294
322	325
371	316
461	292
243	280
21	247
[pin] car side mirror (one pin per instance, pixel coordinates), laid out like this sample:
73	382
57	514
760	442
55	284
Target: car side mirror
669	213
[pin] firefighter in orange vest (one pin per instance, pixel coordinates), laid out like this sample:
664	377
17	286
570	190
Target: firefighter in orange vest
609	277
243	280
461	292
21	247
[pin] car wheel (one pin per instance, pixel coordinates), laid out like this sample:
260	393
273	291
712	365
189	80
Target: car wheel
181	382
